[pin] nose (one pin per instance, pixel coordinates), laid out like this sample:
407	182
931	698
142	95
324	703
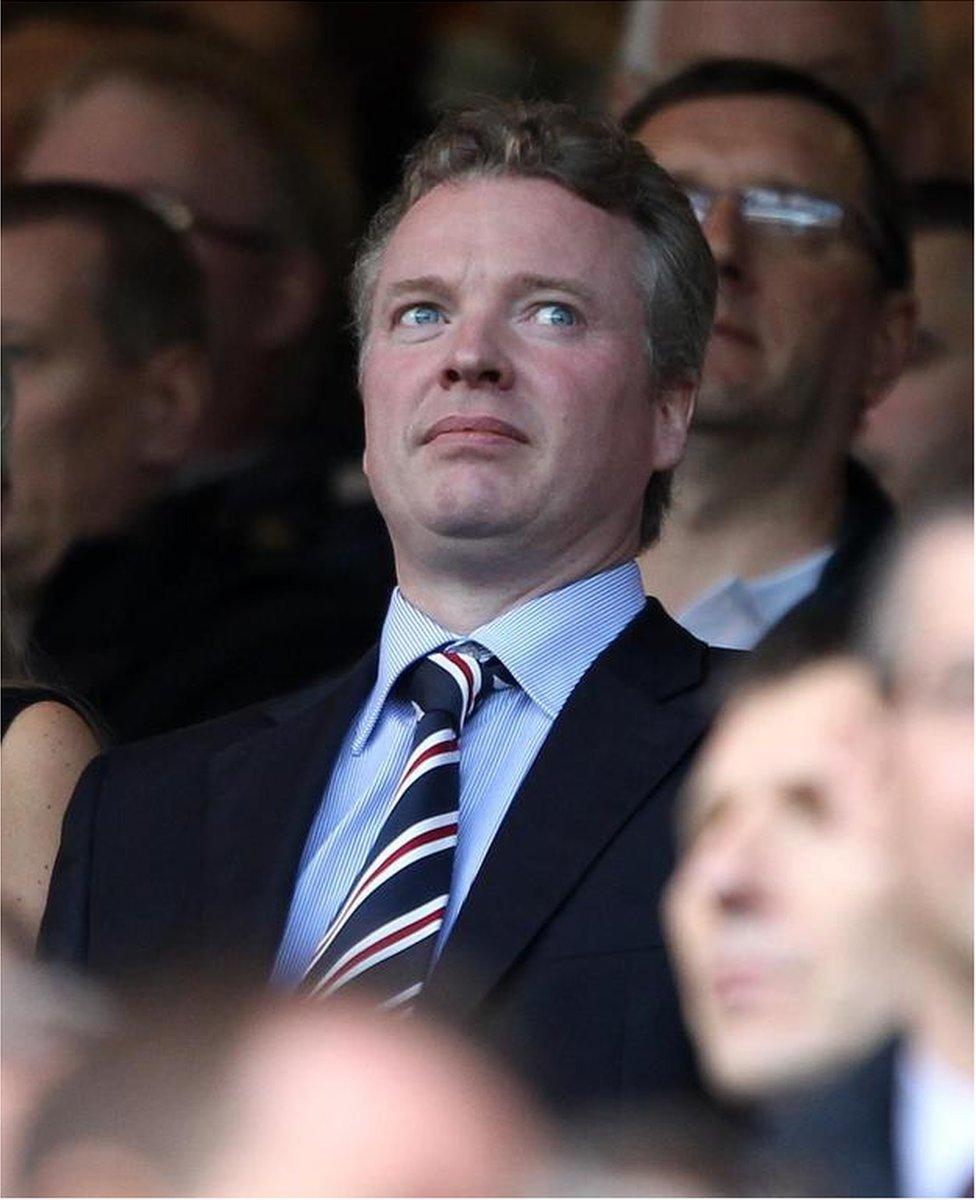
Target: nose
476	358
736	872
728	239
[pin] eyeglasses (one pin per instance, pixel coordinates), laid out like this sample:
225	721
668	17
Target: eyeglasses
181	218
787	213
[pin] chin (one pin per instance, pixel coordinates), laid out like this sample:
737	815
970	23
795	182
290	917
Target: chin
471	525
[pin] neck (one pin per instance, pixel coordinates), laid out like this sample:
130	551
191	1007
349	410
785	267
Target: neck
462	596
941	1023
743	505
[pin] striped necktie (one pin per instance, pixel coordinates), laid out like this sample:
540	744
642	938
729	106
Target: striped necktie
384	933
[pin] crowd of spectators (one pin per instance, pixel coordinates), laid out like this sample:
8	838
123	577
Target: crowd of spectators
709	929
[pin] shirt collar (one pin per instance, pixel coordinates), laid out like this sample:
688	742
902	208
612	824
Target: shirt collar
547	644
737	612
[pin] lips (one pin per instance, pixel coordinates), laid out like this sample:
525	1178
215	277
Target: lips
734	332
475	427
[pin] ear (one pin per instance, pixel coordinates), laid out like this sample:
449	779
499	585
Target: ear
174	397
890	346
674	408
297	292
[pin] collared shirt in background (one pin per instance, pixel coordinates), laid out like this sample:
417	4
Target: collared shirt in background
547	644
933	1128
736	613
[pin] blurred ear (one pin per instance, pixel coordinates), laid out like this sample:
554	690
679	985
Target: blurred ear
675	406
891	346
174	399
297	293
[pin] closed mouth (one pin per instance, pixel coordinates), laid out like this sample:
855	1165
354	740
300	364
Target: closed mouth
476	426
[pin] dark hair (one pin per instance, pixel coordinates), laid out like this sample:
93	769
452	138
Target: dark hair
746	77
594	160
148	293
941	204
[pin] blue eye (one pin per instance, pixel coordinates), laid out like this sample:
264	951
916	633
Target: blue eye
420	314
554	313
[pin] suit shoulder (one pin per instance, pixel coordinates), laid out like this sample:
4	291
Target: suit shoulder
210	737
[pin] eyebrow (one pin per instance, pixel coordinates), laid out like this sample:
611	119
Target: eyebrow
520	284
775	183
552	283
422	283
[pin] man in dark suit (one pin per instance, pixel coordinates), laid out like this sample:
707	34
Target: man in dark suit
533	307
772	519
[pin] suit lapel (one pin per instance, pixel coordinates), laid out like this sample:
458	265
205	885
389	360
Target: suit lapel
264	793
625	726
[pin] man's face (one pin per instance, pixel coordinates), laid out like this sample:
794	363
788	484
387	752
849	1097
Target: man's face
505	378
797	316
780	912
124	134
924	425
932	742
72	465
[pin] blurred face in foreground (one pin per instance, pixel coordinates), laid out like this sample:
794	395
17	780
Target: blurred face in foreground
343	1102
779	914
932	743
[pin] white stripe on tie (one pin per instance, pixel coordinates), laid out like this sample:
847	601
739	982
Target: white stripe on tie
330	983
356	897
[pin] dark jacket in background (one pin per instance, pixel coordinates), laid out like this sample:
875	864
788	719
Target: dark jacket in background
867	522
842	1131
255	583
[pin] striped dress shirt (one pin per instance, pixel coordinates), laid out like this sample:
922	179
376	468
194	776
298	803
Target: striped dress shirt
547	644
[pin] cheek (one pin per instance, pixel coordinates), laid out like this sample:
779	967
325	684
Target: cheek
812	306
686	925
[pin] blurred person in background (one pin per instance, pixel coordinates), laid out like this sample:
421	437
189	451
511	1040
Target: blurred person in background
526	393
48	739
200	130
105	362
814	320
919	439
877	53
782	911
265	200
136	586
217	1095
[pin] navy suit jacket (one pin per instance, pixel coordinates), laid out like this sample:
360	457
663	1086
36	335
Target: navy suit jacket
193	840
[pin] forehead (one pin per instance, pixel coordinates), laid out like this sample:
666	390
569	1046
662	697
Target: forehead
125	133
808	727
496	228
733	141
49	268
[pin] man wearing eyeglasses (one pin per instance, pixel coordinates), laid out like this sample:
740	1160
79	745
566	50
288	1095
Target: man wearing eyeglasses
813	324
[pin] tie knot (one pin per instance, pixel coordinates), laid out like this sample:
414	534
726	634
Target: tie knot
453	681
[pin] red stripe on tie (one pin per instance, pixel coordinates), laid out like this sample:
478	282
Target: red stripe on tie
463	667
431	835
448	747
389	940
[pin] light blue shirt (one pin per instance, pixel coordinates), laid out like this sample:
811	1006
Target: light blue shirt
736	613
547	644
